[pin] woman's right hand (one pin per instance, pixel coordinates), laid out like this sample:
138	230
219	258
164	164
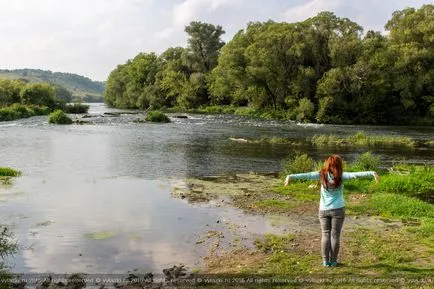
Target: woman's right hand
287	181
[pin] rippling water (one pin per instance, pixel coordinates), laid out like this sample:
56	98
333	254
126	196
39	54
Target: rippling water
113	178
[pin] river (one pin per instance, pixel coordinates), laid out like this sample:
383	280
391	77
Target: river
96	198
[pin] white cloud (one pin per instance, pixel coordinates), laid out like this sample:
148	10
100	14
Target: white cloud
370	14
191	9
309	9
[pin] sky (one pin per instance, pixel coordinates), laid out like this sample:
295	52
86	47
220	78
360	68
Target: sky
91	37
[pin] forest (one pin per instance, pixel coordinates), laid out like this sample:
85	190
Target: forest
325	69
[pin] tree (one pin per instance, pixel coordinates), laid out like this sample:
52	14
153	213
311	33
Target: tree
204	44
62	93
10	91
132	85
39	94
412	41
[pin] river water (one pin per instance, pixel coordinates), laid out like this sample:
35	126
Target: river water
96	198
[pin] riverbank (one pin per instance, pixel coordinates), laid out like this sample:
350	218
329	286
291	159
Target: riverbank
387	234
271	114
387	240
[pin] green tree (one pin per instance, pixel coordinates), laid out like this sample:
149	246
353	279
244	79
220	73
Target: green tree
39	94
10	91
62	93
204	44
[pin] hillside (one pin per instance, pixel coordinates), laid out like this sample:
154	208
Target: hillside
82	88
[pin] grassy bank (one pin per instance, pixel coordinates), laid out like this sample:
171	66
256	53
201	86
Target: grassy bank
388	235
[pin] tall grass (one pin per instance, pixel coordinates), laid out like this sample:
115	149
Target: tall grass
416	181
8	172
362	139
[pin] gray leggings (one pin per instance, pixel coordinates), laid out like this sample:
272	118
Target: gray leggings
331	226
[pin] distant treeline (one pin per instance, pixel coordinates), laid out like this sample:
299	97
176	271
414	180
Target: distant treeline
324	69
80	87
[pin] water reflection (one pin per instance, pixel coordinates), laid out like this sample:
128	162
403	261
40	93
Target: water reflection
149	229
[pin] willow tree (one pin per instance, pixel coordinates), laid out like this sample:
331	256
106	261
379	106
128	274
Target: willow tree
204	44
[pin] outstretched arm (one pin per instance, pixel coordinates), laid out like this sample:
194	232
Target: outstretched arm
304	176
347	176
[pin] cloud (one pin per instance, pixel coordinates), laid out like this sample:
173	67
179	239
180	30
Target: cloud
92	37
191	9
371	14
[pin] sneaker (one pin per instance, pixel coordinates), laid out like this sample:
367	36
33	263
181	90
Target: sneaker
333	264
326	264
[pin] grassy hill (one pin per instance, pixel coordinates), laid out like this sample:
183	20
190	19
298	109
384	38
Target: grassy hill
82	88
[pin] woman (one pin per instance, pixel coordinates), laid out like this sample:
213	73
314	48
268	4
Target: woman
331	208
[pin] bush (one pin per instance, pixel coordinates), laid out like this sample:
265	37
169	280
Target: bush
59	117
305	110
298	163
366	162
157	116
76	108
40	110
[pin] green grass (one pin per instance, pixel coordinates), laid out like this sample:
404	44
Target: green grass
361	139
157	116
273	243
274	204
59	117
300	191
400	206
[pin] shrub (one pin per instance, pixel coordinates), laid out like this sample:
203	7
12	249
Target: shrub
157	116
298	163
59	117
76	108
305	110
366	162
40	110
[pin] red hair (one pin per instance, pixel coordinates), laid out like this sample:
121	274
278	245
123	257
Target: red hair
332	165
